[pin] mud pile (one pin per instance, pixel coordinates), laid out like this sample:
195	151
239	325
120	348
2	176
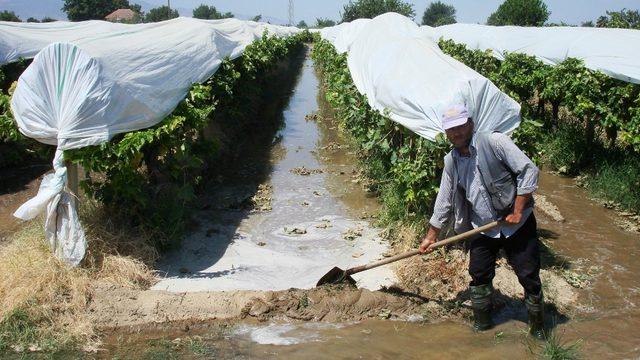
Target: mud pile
114	306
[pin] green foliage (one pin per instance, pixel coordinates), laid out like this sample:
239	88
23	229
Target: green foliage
404	168
161	13
617	178
527	136
47	19
210	13
257	18
371	8
567	149
17	328
522	77
302	25
598	101
555	348
480	61
520	13
322	23
80	10
624	19
32	20
6	15
439	13
15	147
23	328
153	174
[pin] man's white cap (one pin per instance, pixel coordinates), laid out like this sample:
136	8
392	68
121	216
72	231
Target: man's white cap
454	115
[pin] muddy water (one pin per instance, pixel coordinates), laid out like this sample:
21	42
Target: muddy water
611	322
604	256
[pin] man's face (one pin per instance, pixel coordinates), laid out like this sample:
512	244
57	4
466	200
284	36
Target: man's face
460	136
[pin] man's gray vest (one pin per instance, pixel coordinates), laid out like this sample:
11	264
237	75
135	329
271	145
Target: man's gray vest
497	178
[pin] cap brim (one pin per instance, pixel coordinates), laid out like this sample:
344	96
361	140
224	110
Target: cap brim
451	123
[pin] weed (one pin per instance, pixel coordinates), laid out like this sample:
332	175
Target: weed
199	347
617	178
555	348
567	150
42	301
304	301
161	350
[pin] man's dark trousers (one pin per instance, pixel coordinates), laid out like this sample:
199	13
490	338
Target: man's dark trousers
523	254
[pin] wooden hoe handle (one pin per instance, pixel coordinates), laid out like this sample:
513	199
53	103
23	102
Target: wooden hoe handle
444	242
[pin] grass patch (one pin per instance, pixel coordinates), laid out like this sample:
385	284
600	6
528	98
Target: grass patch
43	301
566	150
555	348
617	179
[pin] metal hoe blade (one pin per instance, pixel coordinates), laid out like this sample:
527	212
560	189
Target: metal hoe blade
336	276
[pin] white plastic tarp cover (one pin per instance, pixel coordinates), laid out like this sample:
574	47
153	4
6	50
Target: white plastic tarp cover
25	40
85	92
615	52
399	69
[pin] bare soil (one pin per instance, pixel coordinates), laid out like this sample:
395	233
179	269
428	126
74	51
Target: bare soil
18	185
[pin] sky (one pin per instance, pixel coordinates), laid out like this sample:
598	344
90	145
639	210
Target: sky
471	11
468	11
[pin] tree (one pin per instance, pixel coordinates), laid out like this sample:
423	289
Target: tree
322	23
209	13
439	13
521	13
47	19
80	10
561	23
257	18
161	13
302	25
371	8
623	19
6	15
32	20
588	24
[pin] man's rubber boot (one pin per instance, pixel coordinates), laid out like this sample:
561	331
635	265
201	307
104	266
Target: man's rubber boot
535	309
481	305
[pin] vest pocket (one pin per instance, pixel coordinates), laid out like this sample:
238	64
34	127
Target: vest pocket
503	193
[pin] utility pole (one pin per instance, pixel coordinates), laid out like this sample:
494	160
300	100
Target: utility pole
291	20
168	9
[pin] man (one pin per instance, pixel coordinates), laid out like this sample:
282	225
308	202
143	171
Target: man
486	177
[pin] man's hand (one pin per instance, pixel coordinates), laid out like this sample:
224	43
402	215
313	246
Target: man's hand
429	239
516	215
513	218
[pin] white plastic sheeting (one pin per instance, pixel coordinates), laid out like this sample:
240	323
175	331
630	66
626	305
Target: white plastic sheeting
402	71
615	52
106	81
25	40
